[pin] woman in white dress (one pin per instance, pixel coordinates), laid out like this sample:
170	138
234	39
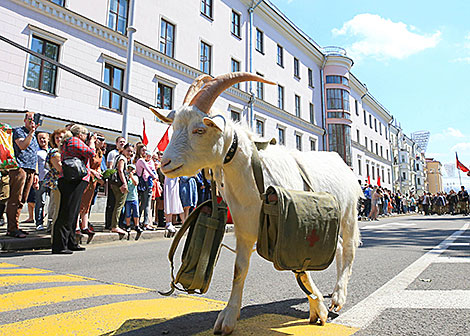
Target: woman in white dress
172	203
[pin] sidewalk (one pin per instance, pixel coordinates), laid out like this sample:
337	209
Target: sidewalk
37	240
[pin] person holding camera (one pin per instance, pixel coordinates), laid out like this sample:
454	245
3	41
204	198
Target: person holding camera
71	190
26	147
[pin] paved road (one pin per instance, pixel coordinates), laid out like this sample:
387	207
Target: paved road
411	277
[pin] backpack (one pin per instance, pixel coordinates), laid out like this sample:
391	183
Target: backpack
206	226
298	230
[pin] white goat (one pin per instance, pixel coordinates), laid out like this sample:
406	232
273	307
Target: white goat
201	139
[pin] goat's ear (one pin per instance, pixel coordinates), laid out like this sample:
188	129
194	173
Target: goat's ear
217	121
167	116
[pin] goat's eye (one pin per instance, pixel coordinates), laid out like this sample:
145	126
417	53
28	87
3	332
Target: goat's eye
199	131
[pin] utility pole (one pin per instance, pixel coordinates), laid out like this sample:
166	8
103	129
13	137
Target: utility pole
130	56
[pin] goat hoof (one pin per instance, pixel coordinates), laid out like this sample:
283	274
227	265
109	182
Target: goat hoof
226	321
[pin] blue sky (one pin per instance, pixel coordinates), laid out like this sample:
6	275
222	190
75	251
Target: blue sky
414	57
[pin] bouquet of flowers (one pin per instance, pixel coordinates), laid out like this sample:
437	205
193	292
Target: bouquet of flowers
108	173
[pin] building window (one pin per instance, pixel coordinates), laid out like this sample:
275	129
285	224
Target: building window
260	128
59	2
164	97
339	140
419	181
117	17
280	97
366	143
380	127
358	136
388	175
206	8
375	124
235	116
259	41
376	148
371	145
387	153
235	27
310	77
42	75
298	141
313	145
373	172
359	167
337	99
404	176
337	80
296	68
365	117
282	135
167	42
205	58
386	134
383	174
367	170
312	113
235	67
370	121
260	88
381	151
280	55
113	76
356	107
297	105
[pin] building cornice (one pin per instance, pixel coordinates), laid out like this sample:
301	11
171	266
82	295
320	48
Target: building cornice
343	61
287	117
368	98
280	22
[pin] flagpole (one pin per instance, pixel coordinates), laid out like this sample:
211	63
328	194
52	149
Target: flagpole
460	179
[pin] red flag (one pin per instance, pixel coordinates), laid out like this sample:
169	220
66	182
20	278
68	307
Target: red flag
145	140
164	141
378	181
368	179
460	165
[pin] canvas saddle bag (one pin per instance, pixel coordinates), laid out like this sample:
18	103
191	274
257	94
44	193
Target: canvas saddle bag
298	230
206	229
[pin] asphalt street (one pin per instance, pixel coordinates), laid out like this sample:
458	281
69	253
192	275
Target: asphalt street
410	277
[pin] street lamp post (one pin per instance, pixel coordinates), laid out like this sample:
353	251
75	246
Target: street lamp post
130	56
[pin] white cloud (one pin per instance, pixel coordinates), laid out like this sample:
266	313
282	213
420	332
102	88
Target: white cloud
384	39
466	49
452	132
461	147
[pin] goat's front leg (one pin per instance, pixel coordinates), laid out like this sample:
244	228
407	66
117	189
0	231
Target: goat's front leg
227	318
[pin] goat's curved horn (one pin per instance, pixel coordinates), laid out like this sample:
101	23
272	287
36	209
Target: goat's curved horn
166	116
209	93
195	87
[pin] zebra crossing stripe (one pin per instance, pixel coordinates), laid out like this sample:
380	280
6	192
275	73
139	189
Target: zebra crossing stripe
44	296
22	271
110	318
7	265
25	279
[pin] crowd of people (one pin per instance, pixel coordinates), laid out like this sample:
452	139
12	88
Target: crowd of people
70	166
379	202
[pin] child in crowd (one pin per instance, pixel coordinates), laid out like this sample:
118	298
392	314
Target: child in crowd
132	202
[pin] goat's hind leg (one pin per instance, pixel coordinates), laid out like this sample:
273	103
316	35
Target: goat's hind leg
318	309
350	241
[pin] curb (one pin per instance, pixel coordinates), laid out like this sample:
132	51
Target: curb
38	241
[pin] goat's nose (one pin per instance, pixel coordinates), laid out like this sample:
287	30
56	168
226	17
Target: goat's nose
166	162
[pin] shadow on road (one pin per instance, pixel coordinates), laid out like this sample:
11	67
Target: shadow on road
262	319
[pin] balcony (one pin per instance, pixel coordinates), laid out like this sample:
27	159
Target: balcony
334	51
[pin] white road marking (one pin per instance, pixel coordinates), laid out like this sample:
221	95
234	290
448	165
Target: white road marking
387	225
394	291
459	244
452	260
